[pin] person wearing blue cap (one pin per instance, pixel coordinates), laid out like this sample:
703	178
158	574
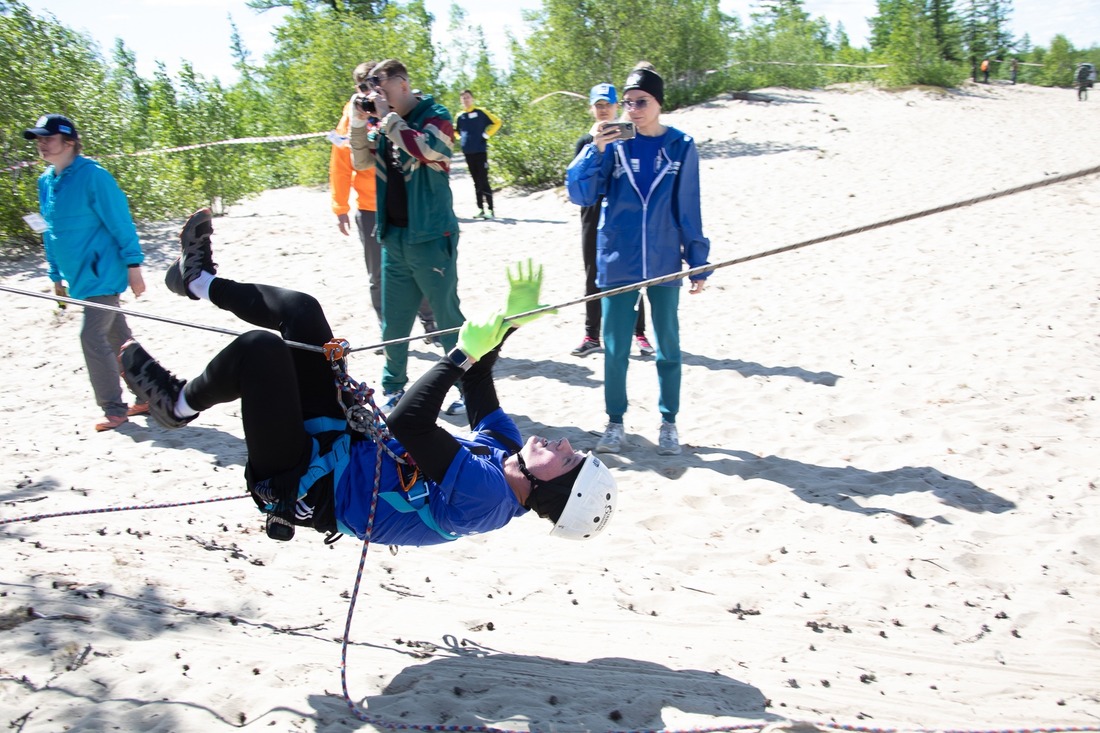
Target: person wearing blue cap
91	244
650	226
603	104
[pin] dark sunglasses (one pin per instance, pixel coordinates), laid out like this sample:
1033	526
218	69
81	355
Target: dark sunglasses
364	86
636	103
377	81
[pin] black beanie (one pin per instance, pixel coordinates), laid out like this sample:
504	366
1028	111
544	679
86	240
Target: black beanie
648	81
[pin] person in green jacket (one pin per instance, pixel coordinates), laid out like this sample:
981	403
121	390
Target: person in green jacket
411	153
91	244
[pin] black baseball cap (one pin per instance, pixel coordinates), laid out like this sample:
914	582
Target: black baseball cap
51	125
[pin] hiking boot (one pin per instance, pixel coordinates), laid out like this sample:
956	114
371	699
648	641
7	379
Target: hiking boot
109	422
392	398
196	255
173	280
644	346
588	346
668	442
612	439
153	384
138	408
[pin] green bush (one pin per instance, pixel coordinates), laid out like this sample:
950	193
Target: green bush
536	145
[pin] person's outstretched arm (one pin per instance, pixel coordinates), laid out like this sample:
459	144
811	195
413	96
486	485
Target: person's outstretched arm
414	421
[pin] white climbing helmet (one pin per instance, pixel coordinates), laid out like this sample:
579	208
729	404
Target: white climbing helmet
591	502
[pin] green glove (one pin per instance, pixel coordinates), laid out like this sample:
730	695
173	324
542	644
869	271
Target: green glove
478	338
523	294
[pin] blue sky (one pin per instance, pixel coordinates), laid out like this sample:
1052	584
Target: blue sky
198	30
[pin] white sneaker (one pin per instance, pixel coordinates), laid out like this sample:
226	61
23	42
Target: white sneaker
668	442
612	439
392	398
458	407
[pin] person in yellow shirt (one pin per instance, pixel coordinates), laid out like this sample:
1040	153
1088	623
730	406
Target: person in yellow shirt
343	178
473	129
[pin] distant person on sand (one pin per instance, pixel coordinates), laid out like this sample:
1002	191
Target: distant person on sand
473	128
91	244
306	467
651	224
1085	77
985	70
603	104
1014	69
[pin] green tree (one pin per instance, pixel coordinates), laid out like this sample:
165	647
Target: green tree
574	44
783	46
309	73
985	31
367	9
914	52
946	28
1058	63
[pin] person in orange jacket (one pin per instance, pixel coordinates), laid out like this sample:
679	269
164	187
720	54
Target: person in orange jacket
343	178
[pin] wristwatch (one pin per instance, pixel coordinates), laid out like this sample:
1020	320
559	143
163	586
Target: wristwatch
460	359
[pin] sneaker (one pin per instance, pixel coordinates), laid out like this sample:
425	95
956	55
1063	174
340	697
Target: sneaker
668	442
458	407
644	346
612	439
429	329
490	215
392	398
110	422
480	214
196	254
138	408
588	346
153	384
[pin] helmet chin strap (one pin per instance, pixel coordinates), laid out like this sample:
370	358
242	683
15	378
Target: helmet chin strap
526	473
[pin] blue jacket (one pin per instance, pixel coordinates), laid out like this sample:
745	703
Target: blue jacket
92	239
642	237
474	496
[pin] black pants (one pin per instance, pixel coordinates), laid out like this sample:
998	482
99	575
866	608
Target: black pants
279	387
478	163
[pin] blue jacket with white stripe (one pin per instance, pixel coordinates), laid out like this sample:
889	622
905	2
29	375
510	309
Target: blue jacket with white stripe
642	236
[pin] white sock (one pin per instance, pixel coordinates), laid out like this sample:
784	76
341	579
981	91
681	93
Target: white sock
200	288
182	409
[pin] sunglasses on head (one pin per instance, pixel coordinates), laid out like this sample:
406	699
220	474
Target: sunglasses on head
636	103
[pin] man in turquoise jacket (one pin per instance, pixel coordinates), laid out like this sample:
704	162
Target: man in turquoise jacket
417	226
91	244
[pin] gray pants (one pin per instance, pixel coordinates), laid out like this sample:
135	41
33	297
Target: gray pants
102	336
366	222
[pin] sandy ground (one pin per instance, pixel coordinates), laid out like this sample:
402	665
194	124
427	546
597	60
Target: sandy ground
887	512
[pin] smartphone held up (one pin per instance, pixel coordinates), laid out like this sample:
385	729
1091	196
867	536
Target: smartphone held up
626	129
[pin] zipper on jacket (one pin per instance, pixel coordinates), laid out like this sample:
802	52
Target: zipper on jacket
645	200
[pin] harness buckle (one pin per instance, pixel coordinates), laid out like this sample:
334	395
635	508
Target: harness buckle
423	491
